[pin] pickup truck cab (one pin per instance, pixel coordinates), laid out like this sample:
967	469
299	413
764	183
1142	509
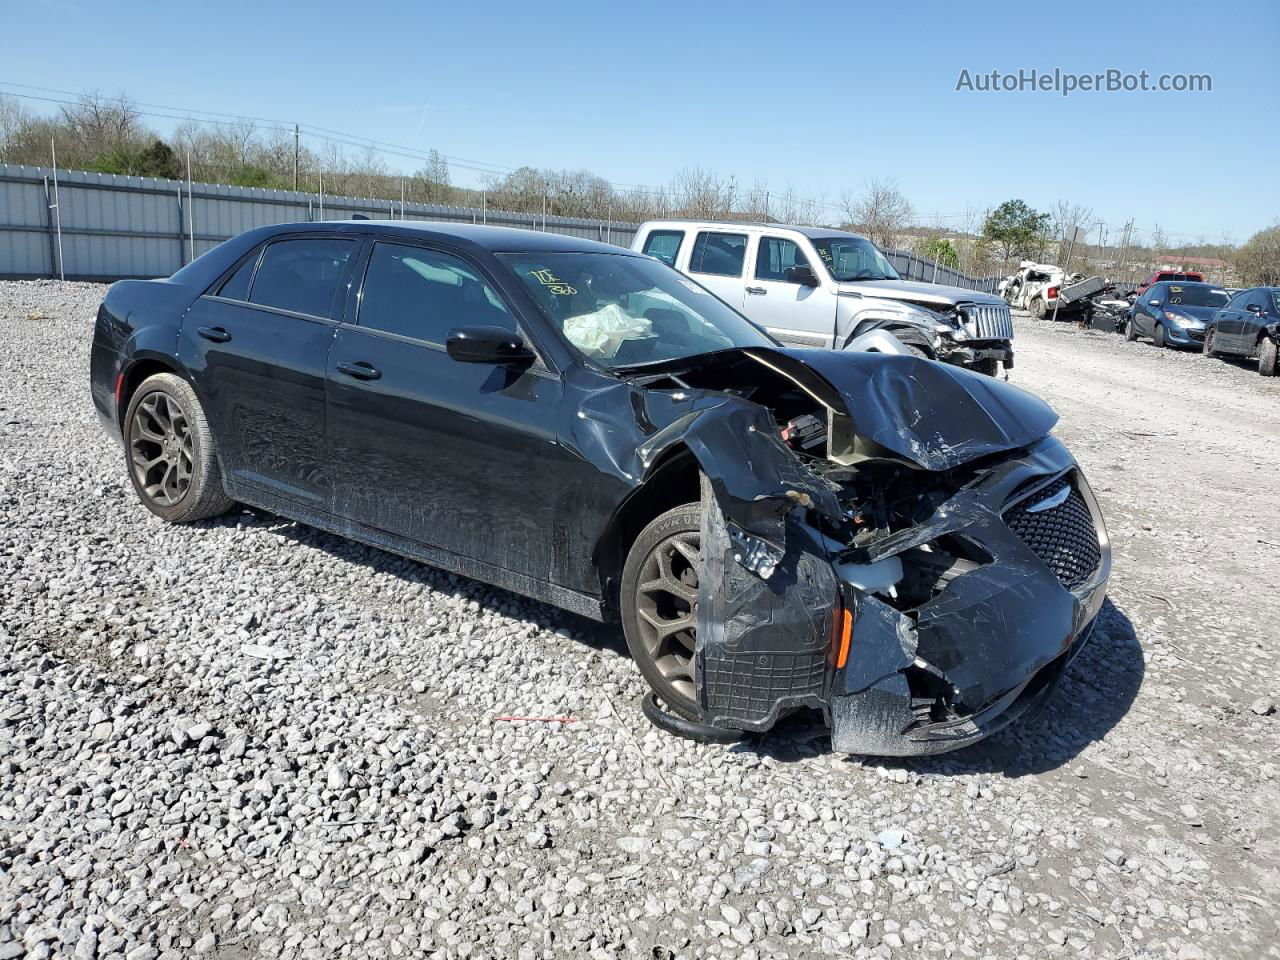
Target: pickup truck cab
818	287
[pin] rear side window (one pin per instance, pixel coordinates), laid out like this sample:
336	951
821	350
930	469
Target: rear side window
420	293
236	286
665	245
776	256
720	254
302	275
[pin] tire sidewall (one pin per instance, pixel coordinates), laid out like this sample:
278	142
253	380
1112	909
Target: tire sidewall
681	519
1157	335
1209	336
1267	357
177	388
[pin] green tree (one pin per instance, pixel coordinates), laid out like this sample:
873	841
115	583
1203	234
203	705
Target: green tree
1015	230
157	159
939	249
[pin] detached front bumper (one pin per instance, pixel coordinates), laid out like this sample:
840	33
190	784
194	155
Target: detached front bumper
988	647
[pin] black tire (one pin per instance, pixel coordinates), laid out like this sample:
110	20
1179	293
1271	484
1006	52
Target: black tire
1038	308
1158	336
665	662
170	454
1267	357
989	367
1131	329
1209	336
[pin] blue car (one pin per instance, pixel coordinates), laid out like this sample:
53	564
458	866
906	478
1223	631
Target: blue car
1174	313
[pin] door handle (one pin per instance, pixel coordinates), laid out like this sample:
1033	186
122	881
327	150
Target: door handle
360	370
216	334
758	291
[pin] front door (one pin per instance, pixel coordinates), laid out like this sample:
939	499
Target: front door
449	454
794	313
257	347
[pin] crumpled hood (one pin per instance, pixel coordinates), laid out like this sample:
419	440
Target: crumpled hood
919	292
935	415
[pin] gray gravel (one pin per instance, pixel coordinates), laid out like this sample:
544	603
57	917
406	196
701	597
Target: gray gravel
247	738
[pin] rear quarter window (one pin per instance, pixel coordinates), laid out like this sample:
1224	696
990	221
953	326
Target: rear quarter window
302	275
665	245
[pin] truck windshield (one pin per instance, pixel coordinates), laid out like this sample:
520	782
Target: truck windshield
853	258
621	311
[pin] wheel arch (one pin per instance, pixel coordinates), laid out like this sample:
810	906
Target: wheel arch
670	482
906	332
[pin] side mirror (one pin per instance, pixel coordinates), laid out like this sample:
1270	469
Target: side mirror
1254	308
486	345
802	274
1153	303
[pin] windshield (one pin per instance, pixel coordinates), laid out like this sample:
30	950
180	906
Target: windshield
619	310
853	258
1189	296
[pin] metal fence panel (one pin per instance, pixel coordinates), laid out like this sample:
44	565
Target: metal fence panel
116	226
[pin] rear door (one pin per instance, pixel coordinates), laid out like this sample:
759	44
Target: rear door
454	455
717	260
257	346
794	313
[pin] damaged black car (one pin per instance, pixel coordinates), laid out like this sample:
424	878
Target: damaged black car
898	544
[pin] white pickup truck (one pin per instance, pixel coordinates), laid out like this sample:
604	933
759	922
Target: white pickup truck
815	287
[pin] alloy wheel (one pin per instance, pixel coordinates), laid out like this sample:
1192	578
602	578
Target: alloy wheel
160	449
667	605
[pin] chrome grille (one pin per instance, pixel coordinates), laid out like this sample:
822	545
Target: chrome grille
987	321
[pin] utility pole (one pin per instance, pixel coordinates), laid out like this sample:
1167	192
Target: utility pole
1075	232
295	157
191	210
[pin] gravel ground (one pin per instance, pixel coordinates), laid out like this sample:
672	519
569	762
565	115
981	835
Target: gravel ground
249	738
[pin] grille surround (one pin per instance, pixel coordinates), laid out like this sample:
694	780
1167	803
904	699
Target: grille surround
987	321
1064	537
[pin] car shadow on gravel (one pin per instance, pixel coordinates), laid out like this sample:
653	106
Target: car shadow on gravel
593	634
1095	694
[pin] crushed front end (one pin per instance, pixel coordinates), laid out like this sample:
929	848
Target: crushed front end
921	575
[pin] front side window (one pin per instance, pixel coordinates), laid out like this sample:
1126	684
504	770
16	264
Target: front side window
719	254
665	245
423	294
1239	300
855	258
302	275
619	311
776	256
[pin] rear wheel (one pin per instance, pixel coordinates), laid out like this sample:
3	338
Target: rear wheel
1209	336
659	605
170	452
1267	357
1158	337
1038	308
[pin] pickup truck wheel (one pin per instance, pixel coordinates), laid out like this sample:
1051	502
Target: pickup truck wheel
1267	357
1038	308
989	367
1158	337
659	605
1208	342
170	453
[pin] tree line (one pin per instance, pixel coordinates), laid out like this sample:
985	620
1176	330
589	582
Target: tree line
109	135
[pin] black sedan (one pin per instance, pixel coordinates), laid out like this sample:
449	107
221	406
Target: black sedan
1175	313
900	544
1248	326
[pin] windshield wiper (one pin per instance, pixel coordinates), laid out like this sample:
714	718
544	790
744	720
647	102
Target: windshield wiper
866	276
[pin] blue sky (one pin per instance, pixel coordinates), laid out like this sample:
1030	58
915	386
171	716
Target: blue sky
818	96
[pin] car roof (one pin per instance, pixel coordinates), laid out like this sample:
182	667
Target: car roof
813	233
1188	283
492	239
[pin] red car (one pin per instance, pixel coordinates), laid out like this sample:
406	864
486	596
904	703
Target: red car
1189	275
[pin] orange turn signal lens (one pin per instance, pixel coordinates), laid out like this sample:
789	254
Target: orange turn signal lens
843	633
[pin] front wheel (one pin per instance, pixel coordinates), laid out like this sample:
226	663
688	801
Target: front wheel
659	605
1158	337
170	453
1267	357
1131	329
1209	336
